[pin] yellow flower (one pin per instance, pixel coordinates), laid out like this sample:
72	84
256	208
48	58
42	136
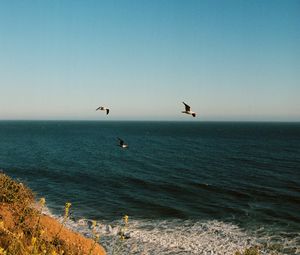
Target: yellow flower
33	241
67	207
44	248
125	218
42	201
1	224
53	253
94	223
2	251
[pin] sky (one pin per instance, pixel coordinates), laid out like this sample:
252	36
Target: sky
232	60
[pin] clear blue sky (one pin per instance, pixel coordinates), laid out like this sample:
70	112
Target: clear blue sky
230	60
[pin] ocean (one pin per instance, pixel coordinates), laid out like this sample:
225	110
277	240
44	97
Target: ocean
187	187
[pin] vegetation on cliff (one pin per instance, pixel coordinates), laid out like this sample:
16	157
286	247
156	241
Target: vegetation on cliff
25	230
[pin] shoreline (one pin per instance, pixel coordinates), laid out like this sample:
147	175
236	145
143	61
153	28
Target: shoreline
57	233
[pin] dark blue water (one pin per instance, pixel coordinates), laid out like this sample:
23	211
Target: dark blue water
247	174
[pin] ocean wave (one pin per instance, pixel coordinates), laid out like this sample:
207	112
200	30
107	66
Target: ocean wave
186	237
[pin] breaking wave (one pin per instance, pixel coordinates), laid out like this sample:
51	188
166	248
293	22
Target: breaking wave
186	237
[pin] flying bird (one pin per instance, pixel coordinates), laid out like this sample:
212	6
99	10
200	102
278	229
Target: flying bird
122	144
188	110
102	108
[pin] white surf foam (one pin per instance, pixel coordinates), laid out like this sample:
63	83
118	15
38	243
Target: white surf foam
153	237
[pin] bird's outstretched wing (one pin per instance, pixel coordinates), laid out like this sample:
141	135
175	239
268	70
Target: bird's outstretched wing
187	107
121	141
107	111
98	108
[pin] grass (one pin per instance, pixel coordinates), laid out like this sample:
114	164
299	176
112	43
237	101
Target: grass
21	230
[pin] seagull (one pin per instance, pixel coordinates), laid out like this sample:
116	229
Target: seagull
188	110
102	108
122	144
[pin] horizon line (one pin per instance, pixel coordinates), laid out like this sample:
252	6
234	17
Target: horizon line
133	120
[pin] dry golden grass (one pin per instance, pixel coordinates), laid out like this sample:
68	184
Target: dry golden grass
24	230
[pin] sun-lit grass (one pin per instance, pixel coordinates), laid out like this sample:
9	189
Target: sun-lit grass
21	231
23	235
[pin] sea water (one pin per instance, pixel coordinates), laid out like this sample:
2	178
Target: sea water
187	187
